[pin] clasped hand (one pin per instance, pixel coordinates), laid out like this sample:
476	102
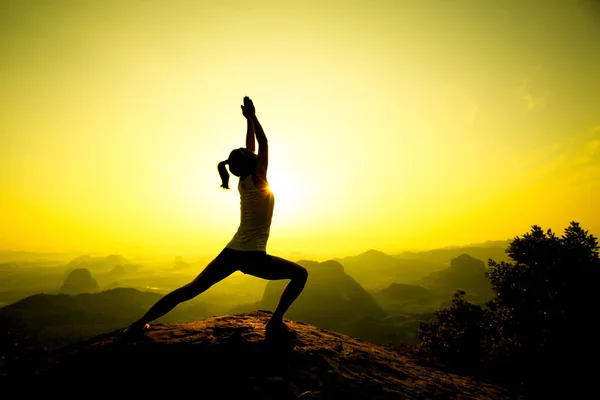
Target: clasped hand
248	108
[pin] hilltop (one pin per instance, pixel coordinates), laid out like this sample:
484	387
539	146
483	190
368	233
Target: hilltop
227	356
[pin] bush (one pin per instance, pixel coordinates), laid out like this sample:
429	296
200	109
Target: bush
458	336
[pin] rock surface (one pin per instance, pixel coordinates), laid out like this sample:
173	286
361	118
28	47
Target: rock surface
227	356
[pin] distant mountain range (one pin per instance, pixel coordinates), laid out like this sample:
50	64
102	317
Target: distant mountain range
466	273
374	296
483	250
494	249
375	270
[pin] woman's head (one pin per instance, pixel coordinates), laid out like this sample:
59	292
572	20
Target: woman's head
241	163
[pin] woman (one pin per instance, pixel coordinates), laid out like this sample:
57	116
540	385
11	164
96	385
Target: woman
246	251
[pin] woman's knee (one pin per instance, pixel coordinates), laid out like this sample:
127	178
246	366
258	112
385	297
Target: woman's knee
300	274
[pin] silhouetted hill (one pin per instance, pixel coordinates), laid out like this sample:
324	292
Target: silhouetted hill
375	270
117	271
100	264
51	320
402	298
226	357
79	280
178	263
402	291
331	299
406	306
390	330
466	273
496	250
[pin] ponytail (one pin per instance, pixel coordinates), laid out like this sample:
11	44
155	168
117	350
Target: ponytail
224	174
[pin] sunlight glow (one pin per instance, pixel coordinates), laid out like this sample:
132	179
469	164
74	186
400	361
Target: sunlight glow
289	190
390	125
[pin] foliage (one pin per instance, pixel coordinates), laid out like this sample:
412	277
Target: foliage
460	334
544	303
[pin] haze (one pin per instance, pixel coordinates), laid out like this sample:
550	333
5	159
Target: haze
393	125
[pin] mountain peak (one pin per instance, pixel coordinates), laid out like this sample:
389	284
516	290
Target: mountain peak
227	355
373	252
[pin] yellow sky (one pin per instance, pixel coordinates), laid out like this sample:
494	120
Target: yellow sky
392	124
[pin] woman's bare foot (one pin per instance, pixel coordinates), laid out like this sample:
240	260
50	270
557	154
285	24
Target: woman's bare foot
276	328
134	331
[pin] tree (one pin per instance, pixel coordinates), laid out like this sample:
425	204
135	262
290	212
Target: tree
545	300
544	306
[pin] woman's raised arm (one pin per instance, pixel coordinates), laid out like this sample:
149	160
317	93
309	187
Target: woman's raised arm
261	138
247	111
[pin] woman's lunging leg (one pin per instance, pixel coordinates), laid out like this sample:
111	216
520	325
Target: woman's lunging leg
289	294
167	303
214	272
280	268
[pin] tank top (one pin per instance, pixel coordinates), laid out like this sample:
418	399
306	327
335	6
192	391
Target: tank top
255	217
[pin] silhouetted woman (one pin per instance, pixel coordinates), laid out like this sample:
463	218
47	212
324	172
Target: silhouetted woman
246	251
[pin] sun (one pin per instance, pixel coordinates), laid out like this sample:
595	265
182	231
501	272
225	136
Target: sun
289	191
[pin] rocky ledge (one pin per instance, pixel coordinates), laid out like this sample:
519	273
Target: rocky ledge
227	357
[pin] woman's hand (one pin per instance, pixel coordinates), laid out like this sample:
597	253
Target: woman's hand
248	108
